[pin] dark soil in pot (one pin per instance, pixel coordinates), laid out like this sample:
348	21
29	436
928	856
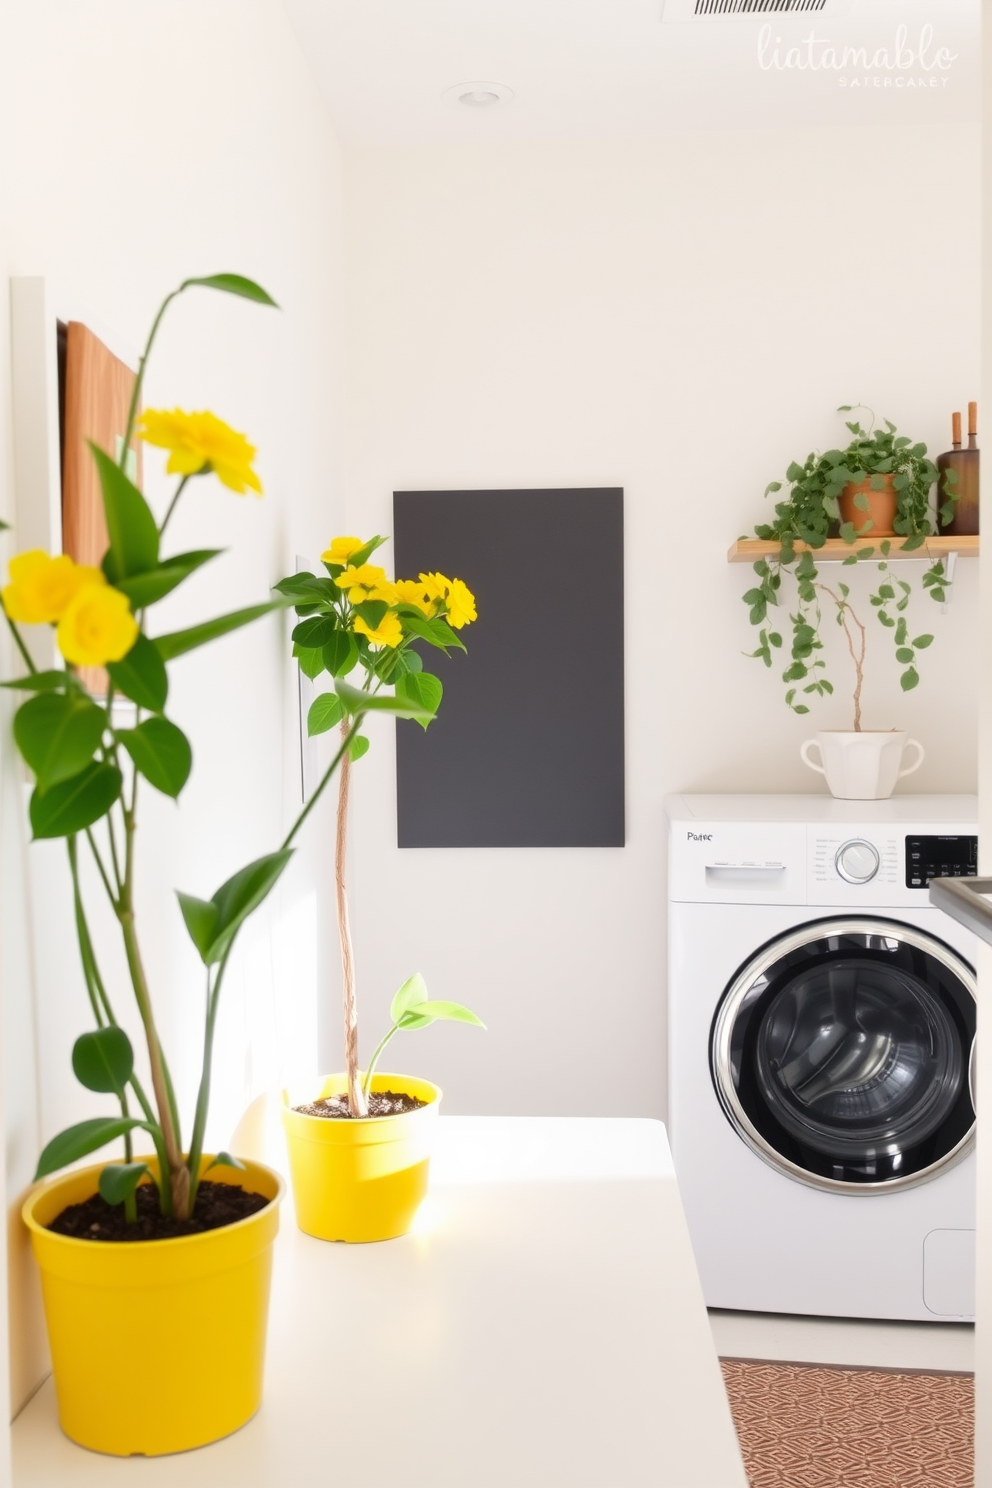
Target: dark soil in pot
217	1205
381	1103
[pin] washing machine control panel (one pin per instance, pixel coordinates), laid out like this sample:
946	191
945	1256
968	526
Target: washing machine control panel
939	857
857	861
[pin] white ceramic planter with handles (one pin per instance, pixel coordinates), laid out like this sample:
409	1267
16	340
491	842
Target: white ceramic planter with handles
863	765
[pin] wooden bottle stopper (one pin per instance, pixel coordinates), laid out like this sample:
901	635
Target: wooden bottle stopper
956	430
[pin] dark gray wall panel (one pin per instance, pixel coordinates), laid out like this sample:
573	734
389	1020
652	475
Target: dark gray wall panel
528	747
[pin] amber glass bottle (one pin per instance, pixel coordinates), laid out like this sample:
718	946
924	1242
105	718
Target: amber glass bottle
964	463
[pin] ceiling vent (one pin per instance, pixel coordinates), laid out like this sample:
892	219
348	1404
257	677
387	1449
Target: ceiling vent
730	10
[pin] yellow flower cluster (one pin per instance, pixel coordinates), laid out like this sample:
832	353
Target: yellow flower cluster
94	621
201	442
432	593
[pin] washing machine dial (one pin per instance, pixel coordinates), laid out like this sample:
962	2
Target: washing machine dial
857	861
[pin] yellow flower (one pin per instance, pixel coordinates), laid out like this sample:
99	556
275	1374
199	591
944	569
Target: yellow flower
436	584
41	588
389	631
412	592
341	549
199	443
97	627
461	605
362	581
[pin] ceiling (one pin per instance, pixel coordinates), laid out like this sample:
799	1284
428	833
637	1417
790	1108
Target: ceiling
588	69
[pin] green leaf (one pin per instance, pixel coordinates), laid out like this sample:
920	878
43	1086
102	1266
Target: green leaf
356	703
141	675
103	1060
325	712
132	529
886	591
861	502
43	682
358	746
410	995
82	1139
118	1181
315	632
235	284
773	486
362	555
226	1160
372	612
909	679
75	804
905	654
340	653
58	734
161	752
147	588
201	917
311	662
922	642
448	1012
234	901
847	532
915	540
421	688
178	642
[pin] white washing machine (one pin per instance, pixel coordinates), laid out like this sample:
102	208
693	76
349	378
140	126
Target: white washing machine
821	1032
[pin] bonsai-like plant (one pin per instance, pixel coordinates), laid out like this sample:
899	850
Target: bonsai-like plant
809	515
356	617
89	769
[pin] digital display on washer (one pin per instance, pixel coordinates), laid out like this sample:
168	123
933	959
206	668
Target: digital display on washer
939	857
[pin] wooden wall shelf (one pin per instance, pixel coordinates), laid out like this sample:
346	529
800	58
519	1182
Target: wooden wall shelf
835	549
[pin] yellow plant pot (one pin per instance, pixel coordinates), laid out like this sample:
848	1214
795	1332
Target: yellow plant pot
361	1180
157	1345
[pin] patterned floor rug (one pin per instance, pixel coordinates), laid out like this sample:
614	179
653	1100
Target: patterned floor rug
810	1426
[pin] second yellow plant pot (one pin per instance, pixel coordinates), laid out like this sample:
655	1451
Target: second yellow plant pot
361	1180
157	1345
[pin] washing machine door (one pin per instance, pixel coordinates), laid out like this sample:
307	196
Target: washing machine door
841	1054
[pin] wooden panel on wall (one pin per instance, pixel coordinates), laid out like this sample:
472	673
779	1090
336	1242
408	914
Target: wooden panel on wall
528	747
98	388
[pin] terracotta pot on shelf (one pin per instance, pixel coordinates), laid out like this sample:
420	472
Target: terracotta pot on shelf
882	506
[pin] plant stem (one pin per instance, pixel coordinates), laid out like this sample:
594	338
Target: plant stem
357	1104
367	1082
324	781
140	377
858	657
178	1174
203	1098
99	863
172	505
90	974
19	643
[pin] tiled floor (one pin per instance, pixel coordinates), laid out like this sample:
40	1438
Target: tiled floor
811	1340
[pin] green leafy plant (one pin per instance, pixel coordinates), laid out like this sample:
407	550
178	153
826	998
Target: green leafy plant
806	518
356	619
88	769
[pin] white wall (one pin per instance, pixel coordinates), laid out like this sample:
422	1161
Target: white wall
680	317
983	1331
138	152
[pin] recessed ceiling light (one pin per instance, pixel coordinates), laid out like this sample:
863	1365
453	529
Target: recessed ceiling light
478	95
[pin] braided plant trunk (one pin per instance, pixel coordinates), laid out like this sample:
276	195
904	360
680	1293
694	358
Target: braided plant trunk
357	1103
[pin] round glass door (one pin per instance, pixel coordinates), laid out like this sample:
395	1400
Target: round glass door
841	1054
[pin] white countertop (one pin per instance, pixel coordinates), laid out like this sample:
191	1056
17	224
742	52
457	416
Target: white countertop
543	1325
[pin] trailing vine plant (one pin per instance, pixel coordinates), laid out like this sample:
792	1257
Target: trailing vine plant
809	515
